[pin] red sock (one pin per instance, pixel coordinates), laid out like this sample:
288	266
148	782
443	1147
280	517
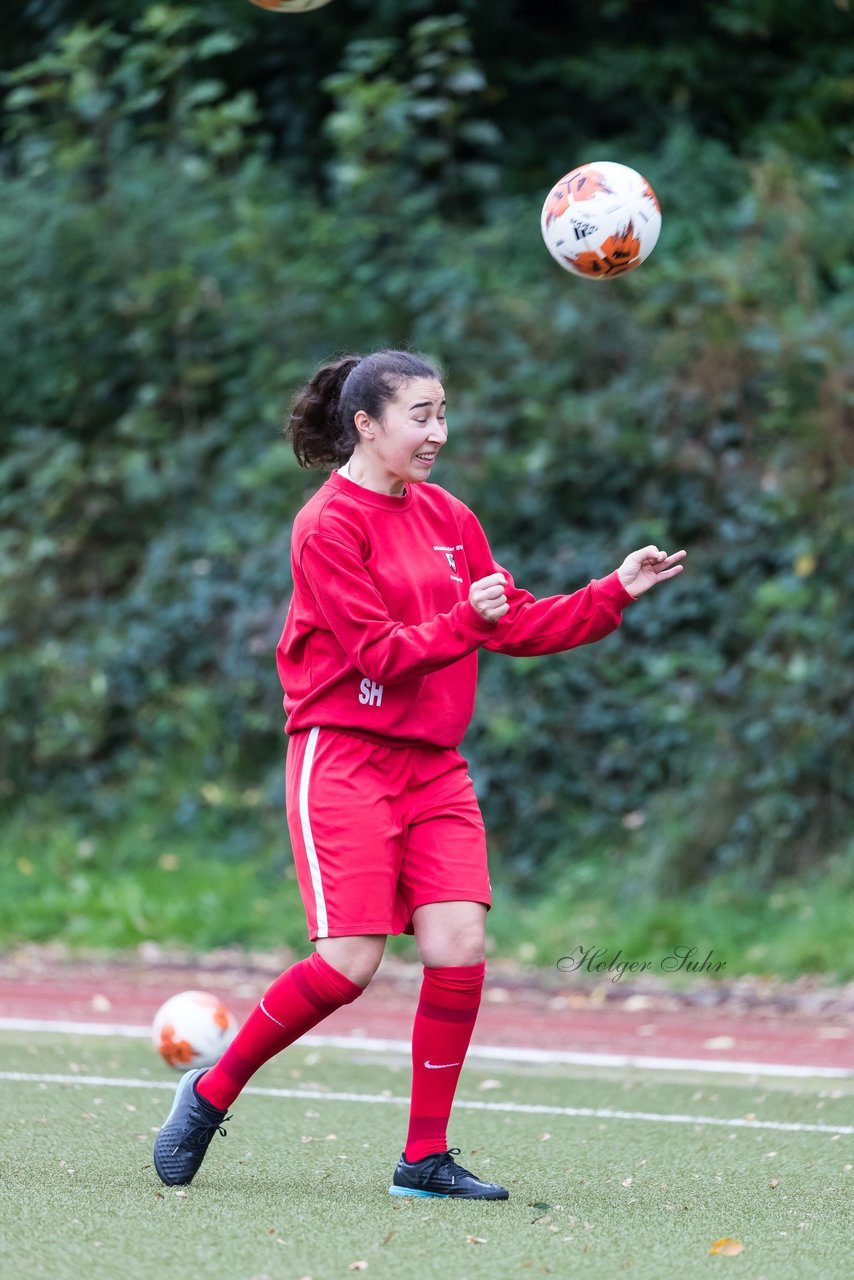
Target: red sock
444	1021
300	998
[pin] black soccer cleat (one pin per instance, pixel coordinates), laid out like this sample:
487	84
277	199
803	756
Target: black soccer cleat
183	1140
440	1175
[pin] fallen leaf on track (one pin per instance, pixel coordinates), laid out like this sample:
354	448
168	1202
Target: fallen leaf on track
727	1246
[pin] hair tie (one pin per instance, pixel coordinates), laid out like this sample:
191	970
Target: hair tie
352	368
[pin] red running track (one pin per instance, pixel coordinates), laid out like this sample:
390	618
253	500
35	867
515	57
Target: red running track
806	1028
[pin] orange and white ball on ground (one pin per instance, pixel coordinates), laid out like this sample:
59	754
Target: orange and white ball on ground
192	1029
601	219
289	6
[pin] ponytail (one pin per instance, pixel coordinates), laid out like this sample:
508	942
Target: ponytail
315	429
321	427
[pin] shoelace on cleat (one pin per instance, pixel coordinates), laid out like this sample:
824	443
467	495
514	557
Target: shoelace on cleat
446	1163
198	1137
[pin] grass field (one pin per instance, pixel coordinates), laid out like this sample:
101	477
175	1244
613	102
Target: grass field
143	879
298	1188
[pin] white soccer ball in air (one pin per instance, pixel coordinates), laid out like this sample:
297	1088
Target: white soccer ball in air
601	220
192	1029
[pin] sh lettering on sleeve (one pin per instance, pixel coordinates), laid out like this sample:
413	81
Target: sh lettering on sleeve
370	694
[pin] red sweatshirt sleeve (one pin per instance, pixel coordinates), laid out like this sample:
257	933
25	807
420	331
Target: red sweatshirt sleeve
533	627
382	649
551	625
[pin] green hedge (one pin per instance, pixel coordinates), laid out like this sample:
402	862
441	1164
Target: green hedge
168	283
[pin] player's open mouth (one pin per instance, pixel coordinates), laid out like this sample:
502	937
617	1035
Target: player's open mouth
426	458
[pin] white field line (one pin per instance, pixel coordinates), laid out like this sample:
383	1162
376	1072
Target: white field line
516	1108
491	1053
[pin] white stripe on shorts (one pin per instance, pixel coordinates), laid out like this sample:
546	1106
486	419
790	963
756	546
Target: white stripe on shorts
308	838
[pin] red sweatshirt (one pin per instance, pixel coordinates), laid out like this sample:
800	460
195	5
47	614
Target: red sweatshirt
380	639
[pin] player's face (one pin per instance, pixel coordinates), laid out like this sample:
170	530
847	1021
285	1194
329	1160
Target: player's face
401	447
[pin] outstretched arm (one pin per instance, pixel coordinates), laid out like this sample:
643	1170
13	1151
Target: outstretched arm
527	627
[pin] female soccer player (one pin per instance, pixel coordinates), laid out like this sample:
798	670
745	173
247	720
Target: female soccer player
395	590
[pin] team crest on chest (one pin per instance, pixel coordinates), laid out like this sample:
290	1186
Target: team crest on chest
448	553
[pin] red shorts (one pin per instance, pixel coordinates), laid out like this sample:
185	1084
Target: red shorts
378	831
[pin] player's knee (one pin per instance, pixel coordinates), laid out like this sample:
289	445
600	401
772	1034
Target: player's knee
363	973
460	956
357	958
450	933
466	947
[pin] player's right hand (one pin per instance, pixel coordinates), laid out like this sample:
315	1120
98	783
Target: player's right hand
488	598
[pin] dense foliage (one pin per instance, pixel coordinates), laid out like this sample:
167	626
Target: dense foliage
200	204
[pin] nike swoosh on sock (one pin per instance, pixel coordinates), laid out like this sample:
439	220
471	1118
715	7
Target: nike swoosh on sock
439	1066
266	1011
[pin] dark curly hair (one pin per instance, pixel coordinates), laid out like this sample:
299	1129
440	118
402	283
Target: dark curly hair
321	427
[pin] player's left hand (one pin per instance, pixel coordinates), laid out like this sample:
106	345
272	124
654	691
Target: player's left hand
643	569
